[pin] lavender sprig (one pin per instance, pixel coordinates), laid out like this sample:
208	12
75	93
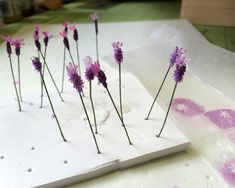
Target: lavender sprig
180	69
173	57
38	67
94	17
8	41
103	80
77	82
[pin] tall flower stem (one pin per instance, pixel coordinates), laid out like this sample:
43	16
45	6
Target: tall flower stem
124	126
44	62
168	110
14	82
97	47
79	67
52	108
71	58
43	73
92	106
62	85
97	147
120	89
159	90
19	80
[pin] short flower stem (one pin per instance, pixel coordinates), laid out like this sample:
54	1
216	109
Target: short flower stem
18	59
62	85
14	82
44	60
168	110
120	89
159	90
92	106
119	117
52	108
97	147
79	67
43	73
97	48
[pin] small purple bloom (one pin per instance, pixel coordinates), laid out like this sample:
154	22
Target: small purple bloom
118	53
95	68
46	38
179	73
102	78
75	32
8	41
176	56
89	74
36	41
65	40
18	44
74	77
66	26
95	17
37	64
88	62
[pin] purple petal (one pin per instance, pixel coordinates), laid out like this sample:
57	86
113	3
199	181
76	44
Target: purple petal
223	118
187	107
227	170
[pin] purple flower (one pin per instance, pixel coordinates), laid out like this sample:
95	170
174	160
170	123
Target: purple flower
66	25
92	68
102	78
18	44
74	77
75	32
179	73
66	41
95	17
37	29
8	41
88	62
118	53
89	74
175	55
37	64
95	68
46	38
36	41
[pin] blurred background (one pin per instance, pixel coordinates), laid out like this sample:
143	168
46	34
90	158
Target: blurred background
215	19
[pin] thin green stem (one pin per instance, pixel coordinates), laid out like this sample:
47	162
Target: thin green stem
79	66
159	90
97	47
92	106
43	74
168	110
62	85
71	58
120	90
19	80
44	60
14	82
124	126
52	108
84	107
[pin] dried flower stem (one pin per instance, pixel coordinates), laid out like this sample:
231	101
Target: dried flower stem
159	90
124	126
14	82
44	62
19	80
120	90
43	73
52	108
84	107
92	106
62	85
168	110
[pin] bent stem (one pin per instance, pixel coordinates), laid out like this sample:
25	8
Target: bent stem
159	90
52	108
124	126
14	82
79	67
43	73
44	62
168	110
62	85
97	147
120	90
92	106
18	59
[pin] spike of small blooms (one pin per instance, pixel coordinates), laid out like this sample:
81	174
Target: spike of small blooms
75	32
66	25
37	64
88	62
46	38
66	41
8	41
118	53
95	68
37	29
36	41
89	74
18	44
175	54
181	60
179	73
95	17
102	79
74	77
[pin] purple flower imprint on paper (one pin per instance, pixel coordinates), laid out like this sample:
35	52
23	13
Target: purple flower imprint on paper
227	170
187	107
223	118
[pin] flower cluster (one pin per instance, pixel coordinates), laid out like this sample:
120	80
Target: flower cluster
75	32
64	34
36	36
102	79
37	64
118	53
95	17
175	55
92	68
15	42
8	41
46	38
74	77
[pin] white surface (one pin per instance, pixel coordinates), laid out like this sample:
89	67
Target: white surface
194	170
